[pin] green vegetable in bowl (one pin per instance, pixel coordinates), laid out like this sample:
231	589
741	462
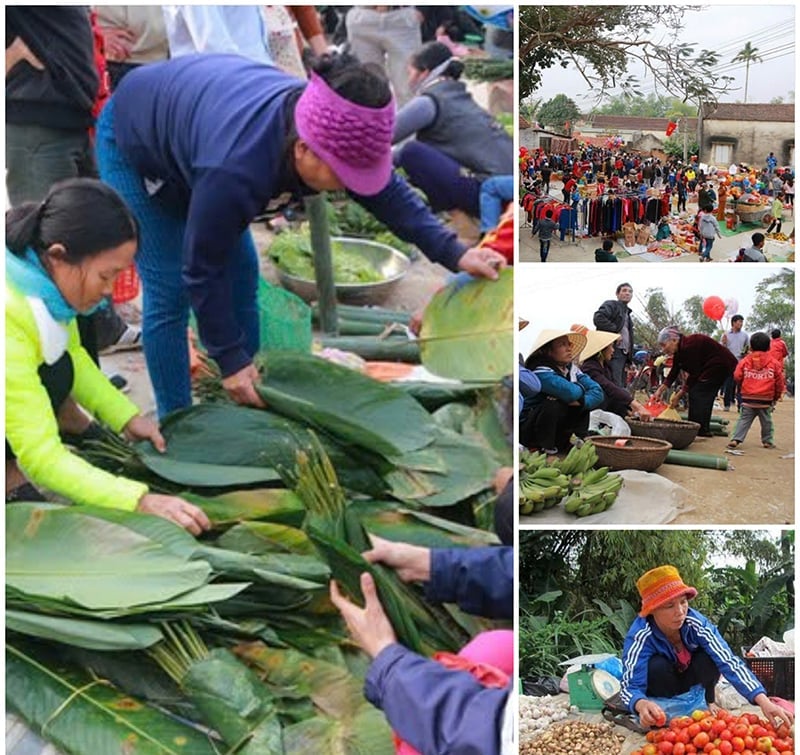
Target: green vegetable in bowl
291	252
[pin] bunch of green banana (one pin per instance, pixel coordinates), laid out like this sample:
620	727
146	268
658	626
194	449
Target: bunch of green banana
532	460
580	459
541	489
597	491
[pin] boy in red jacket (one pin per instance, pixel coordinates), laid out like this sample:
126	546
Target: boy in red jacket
760	376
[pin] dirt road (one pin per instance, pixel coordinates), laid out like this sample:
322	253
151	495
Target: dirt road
758	487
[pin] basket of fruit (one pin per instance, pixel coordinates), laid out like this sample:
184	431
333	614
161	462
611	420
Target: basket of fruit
630	452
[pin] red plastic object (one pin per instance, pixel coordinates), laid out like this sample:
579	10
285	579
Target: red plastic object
126	286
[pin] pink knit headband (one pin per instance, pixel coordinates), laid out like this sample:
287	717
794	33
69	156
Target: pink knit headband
354	140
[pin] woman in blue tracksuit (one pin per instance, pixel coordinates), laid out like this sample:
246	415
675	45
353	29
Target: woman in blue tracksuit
434	709
197	146
671	648
566	395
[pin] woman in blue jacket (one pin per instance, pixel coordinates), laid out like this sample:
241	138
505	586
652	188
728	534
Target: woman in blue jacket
435	709
197	146
671	648
566	395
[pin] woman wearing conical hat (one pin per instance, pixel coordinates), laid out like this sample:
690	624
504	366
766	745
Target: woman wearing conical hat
566	396
595	361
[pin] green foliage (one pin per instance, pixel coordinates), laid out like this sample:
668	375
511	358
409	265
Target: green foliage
774	308
697	321
578	589
652	106
555	113
600	41
673	146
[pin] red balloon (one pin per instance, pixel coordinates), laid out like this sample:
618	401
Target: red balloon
714	307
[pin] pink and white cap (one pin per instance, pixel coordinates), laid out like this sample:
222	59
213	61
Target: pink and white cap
354	140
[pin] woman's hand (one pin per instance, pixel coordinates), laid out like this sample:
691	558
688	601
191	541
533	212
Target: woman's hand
483	263
411	562
142	428
186	514
676	399
659	392
639	408
370	626
650	714
775	713
241	387
118	43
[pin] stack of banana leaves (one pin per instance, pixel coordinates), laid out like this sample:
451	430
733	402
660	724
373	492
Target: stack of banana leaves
127	634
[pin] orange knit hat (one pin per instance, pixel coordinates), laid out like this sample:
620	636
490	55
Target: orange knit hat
659	586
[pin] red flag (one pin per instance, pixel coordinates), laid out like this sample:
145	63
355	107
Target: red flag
671	126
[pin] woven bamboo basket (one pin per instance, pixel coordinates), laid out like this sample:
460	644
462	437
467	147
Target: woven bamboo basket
679	433
646	454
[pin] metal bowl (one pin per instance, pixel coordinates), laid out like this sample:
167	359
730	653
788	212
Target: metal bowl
389	263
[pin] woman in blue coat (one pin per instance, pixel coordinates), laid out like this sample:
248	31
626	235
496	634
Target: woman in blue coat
197	146
566	395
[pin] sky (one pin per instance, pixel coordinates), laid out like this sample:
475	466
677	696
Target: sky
567	294
725	29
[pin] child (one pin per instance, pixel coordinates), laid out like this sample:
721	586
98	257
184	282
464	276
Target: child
708	229
566	395
762	384
605	254
664	231
777	214
545	229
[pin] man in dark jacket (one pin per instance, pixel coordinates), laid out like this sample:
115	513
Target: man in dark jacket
614	316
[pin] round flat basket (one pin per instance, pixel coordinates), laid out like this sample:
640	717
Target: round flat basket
679	433
646	454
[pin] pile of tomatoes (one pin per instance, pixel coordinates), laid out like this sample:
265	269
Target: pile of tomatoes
719	734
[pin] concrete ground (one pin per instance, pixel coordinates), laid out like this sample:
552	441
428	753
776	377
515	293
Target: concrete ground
582	249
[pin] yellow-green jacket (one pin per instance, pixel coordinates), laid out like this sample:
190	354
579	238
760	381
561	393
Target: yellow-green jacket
34	338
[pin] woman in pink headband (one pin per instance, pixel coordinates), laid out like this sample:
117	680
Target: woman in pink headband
198	146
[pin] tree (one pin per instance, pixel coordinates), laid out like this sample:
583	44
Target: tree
696	319
747	55
774	308
657	316
529	109
559	111
673	146
652	106
601	40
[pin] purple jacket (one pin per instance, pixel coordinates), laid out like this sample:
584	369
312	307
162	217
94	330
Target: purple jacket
438	710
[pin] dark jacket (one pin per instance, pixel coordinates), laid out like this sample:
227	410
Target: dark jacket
601	255
62	95
214	129
434	709
617	400
703	359
614	316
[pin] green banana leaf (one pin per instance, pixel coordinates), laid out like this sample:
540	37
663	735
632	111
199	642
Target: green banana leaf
256	443
366	733
393	521
331	687
346	404
86	716
434	395
467	329
247	505
471	467
266	537
234	702
68	555
93	635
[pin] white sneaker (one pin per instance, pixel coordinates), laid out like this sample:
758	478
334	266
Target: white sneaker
130	339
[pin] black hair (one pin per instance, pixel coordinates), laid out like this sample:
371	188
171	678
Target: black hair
757	238
362	83
736	318
84	215
776	333
607	244
708	208
759	342
433	54
621	285
548	213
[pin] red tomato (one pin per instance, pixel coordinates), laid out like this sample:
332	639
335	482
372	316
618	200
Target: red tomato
718	726
668	736
726	735
701	739
725	747
752	718
738	744
750	742
759	731
665	747
694	730
682	736
715	751
679	748
650	749
764	744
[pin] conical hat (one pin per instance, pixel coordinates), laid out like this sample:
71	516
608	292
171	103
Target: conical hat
522	323
596	340
576	340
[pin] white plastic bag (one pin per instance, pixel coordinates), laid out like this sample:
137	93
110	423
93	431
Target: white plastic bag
608	423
